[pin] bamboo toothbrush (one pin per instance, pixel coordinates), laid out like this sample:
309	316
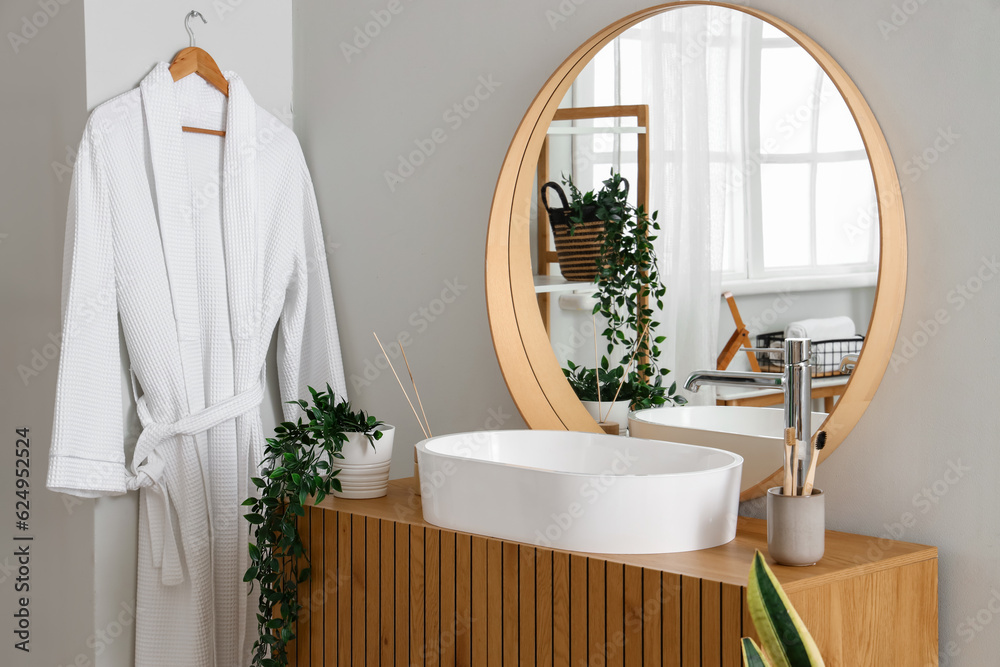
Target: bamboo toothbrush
819	444
407	396
788	487
415	390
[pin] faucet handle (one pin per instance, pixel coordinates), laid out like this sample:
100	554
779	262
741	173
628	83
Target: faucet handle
849	362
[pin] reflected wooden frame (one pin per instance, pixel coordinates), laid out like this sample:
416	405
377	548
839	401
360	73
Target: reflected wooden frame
530	369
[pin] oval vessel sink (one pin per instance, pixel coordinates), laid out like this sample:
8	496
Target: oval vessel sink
753	433
581	491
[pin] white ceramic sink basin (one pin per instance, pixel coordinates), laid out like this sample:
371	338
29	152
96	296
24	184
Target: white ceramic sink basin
581	491
753	433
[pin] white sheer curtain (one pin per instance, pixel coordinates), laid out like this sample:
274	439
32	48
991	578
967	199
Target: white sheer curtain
692	81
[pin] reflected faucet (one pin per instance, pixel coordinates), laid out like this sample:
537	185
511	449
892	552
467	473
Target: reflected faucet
795	382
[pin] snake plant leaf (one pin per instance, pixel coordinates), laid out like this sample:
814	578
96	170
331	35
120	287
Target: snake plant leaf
751	654
784	636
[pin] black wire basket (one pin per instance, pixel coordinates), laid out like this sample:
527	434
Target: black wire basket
826	354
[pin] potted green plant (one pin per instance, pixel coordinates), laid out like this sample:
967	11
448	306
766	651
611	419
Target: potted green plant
628	282
300	461
611	405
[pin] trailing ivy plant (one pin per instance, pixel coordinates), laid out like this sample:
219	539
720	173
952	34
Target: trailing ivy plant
296	465
627	276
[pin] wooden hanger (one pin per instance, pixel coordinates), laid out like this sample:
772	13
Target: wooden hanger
193	60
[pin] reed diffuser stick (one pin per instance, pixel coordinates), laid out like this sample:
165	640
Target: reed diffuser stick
401	385
415	390
631	359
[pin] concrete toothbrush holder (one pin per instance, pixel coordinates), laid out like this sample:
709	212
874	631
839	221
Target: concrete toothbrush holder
796	527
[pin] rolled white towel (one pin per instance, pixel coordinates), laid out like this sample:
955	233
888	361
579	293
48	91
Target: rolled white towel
822	328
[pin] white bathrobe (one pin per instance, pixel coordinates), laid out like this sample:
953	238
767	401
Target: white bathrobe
199	246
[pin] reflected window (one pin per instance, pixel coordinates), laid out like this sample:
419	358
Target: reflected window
812	209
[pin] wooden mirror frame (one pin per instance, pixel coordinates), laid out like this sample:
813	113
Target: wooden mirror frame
533	376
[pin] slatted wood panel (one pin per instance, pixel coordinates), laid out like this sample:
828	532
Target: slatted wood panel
387	593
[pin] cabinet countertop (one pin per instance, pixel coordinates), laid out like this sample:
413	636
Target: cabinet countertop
847	555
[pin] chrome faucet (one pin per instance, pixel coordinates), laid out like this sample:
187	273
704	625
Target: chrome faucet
795	382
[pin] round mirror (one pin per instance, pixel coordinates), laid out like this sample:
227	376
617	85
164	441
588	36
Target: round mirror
777	204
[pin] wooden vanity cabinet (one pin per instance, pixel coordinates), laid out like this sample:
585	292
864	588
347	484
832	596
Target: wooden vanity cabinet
389	589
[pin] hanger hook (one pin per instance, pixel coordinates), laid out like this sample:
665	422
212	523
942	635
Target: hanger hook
187	23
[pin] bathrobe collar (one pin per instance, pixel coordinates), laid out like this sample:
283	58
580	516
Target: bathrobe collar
173	196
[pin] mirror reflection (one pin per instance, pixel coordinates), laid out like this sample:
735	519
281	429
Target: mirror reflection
768	223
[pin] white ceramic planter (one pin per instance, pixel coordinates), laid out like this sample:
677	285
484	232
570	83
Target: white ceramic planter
617	415
364	470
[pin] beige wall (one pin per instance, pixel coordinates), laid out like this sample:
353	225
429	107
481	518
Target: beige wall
42	108
357	113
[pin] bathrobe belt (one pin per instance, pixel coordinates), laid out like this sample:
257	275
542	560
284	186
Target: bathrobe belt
147	470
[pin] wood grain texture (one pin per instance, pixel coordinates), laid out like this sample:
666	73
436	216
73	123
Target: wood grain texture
449	625
402	615
529	366
614	612
596	609
387	590
463	599
373	558
560	608
578	618
344	590
494	603
711	623
670	617
415	592
543	607
417	556
358	591
331	587
526	603
690	621
432	598
633	616
480	629
652	624
732	626
317	582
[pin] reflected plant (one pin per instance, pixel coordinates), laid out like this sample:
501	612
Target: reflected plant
627	276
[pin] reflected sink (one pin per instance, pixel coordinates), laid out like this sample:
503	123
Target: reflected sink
581	491
753	433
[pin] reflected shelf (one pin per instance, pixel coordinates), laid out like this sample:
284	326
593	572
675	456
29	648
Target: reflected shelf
545	284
